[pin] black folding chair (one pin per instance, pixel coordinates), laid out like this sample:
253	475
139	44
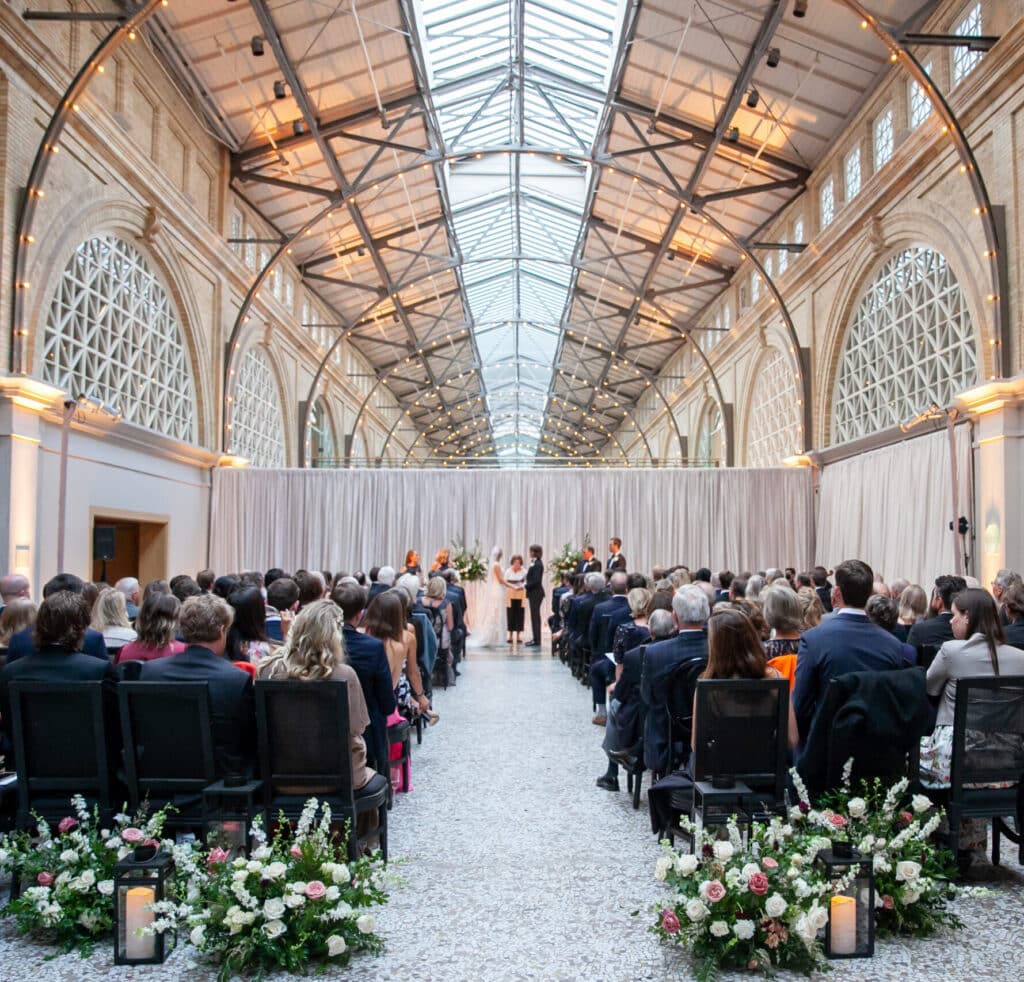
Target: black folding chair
62	747
305	751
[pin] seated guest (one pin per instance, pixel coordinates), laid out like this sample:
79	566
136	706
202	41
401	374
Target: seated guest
282	603
555	620
784	615
725	578
311	586
636	630
384	580
156	624
929	635
811	606
110	618
205	579
849	642
23	642
183	587
56	654
822	587
897	587
977	649
128	586
369	659
19	613
735	651
274	573
738	586
155	586
624	730
583	611
14	586
313	652
755	585
884	612
437	607
690	610
247	637
1013	607
204	622
606	617
913	602
224	586
455	594
1003	579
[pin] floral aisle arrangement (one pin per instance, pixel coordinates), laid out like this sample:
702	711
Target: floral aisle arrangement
469	563
293	902
565	562
758	906
913	877
67	876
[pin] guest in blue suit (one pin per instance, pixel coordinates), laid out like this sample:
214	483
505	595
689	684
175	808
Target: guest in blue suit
848	642
370	661
607	616
23	642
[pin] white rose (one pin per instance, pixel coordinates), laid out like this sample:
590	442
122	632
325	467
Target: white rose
335	945
797	860
294	900
744	930
750	869
342	910
262	853
340	873
198	935
661	868
273	929
273	908
907	871
920	803
775	906
332	894
686	864
88	877
275	871
856	807
367	924
106	887
723	851
910	895
254	866
104	834
695	909
818	916
801	888
68	856
880	863
795	815
719	929
240	863
298	886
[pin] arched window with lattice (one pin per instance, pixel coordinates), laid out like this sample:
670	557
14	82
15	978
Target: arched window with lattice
910	344
711	435
113	335
773	421
257	422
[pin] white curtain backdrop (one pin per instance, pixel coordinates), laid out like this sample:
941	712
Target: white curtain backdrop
892	507
354	519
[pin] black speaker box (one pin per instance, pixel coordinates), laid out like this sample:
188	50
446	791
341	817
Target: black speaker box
103	542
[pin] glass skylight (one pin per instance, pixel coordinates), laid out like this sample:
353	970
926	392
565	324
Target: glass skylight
507	78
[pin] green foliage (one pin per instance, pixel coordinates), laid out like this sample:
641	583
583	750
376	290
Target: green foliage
468	562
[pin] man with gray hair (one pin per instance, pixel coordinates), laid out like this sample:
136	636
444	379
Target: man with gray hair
690	610
582	613
385	581
129	586
12	586
1003	579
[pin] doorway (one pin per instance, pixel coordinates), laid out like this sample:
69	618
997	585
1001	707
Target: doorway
139	547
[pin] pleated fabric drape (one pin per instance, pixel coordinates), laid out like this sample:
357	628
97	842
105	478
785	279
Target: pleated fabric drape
354	519
892	507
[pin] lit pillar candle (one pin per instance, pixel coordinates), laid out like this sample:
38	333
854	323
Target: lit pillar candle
843	925
139	914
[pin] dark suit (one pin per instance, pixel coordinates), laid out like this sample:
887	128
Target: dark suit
375	589
584	611
456	598
368	658
24	643
588	566
555	620
927	636
608	615
849	642
1015	634
535	596
616	561
231	702
825	596
660	661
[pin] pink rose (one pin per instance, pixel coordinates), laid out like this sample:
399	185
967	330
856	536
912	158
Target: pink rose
315	889
715	891
66	824
217	855
132	834
296	852
887	902
44	879
758	884
669	922
906	818
838	822
152	842
769	863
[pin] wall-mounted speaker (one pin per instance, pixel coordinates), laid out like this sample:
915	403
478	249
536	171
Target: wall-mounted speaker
103	537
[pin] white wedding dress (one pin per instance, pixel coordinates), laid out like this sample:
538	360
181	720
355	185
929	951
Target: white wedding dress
489	624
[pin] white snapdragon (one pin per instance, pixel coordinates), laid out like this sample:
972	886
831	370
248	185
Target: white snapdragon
743	929
262	853
198	935
775	905
696	909
801	888
342	910
719	929
880	863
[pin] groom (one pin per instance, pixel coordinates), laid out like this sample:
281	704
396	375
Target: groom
535	593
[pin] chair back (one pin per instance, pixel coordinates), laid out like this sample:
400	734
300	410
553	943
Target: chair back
741	730
681	686
302	732
988	731
61	743
167	734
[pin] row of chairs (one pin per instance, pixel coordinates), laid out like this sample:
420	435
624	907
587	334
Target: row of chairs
162	753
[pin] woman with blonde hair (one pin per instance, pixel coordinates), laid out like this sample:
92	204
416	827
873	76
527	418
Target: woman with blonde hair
442	560
913	606
314	652
110	618
811	604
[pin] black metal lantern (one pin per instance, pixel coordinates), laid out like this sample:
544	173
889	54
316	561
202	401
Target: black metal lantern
230	806
139	882
850	931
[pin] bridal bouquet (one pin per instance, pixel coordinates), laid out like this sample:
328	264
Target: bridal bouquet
67	876
294	901
756	906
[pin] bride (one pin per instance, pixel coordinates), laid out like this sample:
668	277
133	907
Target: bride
489	629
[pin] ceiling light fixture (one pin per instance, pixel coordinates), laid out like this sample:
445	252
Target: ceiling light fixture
257	46
279	92
774	57
752	98
799	8
298	127
733	134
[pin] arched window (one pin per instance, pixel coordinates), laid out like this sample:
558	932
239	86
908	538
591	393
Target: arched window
257	423
711	435
113	335
911	344
321	435
773	428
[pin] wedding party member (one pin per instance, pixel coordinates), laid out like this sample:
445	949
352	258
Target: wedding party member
489	621
535	593
156	624
616	561
515	580
412	565
588	564
442	560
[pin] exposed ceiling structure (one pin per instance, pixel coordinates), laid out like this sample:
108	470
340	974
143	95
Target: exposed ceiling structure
519	209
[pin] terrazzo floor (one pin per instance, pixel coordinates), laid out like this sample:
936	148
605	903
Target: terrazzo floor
519	868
